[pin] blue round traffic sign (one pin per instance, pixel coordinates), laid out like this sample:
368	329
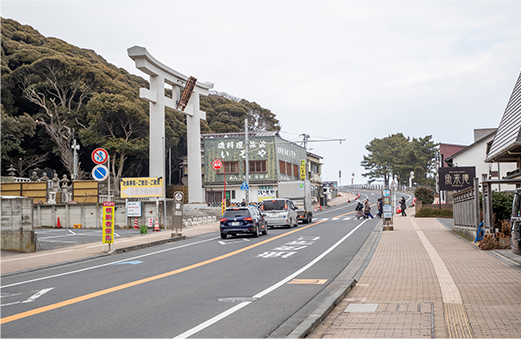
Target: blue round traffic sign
100	173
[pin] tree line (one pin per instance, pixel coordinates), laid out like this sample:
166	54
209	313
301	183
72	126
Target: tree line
396	156
53	93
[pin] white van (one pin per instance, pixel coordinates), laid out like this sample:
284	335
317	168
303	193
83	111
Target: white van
279	212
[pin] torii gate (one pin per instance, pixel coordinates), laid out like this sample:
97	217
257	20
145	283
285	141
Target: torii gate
159	75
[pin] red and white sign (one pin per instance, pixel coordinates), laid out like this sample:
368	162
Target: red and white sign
99	156
217	164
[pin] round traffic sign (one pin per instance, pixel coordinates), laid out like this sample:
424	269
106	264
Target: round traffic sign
217	164
99	156
100	172
178	196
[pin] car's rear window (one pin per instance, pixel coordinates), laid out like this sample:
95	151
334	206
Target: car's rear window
236	213
273	205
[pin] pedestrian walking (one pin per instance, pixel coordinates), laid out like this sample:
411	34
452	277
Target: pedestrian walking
367	210
359	211
380	208
403	206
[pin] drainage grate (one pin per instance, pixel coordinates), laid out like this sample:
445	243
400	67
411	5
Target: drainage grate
236	299
361	308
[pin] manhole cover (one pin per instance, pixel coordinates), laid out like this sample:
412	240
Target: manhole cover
236	299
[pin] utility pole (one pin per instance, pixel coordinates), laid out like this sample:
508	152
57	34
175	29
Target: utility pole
247	163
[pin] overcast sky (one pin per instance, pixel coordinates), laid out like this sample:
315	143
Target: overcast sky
355	70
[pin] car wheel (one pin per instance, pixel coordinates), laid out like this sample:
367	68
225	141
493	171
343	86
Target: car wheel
257	232
223	236
265	232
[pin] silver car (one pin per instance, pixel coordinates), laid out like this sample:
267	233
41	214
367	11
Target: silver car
280	212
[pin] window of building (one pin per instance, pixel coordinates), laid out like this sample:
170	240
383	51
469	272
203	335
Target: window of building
295	171
282	166
258	166
289	169
231	167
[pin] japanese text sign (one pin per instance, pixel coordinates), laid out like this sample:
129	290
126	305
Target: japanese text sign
456	178
108	222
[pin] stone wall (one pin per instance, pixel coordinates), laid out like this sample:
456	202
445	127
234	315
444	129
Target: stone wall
17	224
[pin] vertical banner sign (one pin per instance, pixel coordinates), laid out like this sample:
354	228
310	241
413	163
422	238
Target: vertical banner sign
223	206
108	222
302	169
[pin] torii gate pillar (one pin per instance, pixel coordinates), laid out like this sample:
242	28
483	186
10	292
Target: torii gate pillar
159	75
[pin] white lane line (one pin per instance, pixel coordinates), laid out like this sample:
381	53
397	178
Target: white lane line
37	295
347	218
60	241
266	291
324	219
107	264
72	232
335	219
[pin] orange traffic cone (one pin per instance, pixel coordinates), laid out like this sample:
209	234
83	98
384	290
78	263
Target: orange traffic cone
156	227
58	225
348	199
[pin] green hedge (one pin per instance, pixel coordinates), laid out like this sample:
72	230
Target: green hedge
426	212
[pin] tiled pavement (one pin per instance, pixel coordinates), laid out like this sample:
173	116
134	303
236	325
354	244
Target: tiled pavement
424	281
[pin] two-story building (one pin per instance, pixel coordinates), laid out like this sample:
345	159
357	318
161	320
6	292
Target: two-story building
271	159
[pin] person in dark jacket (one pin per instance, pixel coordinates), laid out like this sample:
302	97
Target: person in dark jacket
403	206
380	208
367	210
359	211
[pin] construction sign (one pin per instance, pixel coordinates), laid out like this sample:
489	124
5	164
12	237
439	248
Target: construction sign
108	222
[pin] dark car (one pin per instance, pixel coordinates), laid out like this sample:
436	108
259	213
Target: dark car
243	220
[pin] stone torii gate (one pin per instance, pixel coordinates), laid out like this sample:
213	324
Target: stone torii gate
159	75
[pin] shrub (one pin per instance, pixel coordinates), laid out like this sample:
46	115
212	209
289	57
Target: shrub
427	212
424	194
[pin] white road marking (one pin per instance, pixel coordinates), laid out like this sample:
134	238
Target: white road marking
37	295
324	219
232	310
232	241
335	219
30	299
107	264
347	218
72	232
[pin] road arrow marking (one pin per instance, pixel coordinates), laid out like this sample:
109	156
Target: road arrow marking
37	295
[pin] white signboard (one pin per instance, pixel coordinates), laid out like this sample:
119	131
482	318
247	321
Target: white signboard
133	208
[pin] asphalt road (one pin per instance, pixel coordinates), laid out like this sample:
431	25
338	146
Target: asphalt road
202	287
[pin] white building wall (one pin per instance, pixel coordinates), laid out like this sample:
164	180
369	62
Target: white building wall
475	156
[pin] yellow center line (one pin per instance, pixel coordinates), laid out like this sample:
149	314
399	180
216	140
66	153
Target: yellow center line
145	280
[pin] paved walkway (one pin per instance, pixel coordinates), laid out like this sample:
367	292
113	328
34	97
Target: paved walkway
424	281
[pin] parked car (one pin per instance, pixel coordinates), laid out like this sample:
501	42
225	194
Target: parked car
243	220
280	212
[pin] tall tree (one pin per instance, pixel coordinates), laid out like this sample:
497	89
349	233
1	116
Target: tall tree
396	156
120	125
59	86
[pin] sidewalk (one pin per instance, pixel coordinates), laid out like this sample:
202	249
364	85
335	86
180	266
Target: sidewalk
425	281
